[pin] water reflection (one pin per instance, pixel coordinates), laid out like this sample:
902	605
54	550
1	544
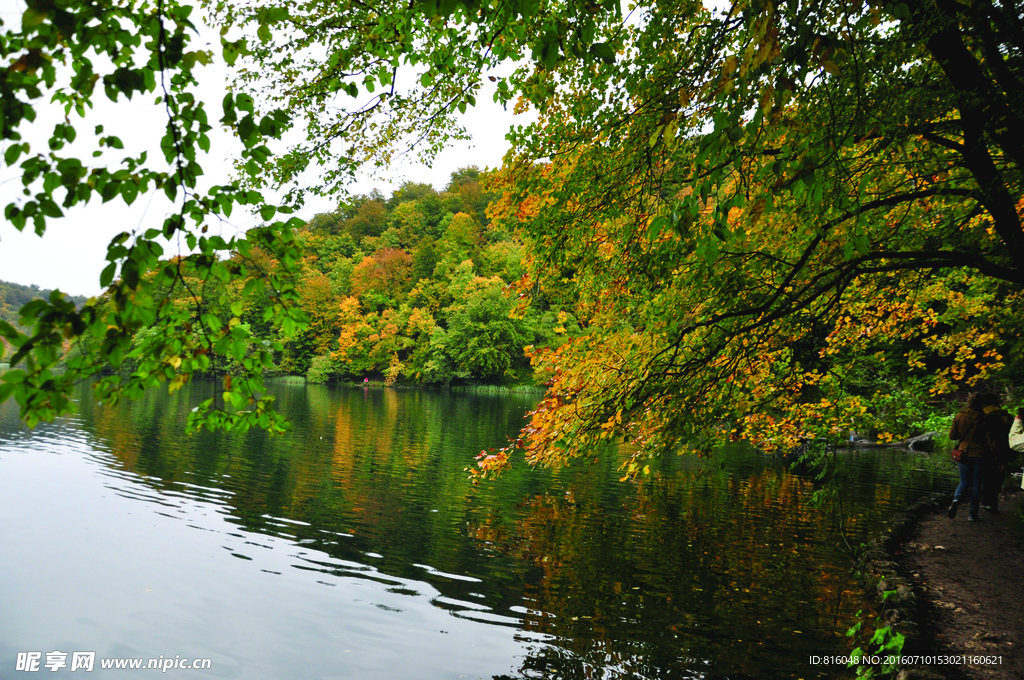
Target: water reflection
354	547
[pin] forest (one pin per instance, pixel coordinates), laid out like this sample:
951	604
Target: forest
14	296
411	289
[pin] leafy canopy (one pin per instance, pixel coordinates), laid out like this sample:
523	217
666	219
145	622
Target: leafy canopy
66	54
776	217
64	49
770	214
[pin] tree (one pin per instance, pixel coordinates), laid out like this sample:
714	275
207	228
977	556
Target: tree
383	278
750	202
482	339
321	306
720	188
370	218
721	191
57	57
408	68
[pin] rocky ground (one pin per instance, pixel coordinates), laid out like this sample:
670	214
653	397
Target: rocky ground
969	582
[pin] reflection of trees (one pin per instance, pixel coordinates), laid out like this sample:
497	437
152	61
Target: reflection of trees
643	579
372	462
681	568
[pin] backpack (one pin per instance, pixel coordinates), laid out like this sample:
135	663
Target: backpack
959	453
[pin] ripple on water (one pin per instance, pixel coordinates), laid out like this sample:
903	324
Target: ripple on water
355	541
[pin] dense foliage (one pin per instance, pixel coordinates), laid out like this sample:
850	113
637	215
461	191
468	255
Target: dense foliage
772	221
784	221
413	289
61	57
780	221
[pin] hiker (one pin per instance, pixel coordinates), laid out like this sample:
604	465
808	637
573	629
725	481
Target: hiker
996	424
970	454
1016	439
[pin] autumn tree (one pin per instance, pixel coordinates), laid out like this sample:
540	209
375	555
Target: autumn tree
383	277
755	204
720	189
720	194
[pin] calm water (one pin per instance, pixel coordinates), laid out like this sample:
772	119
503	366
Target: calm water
354	547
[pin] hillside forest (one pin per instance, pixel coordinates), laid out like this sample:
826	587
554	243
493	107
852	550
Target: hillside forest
409	289
14	296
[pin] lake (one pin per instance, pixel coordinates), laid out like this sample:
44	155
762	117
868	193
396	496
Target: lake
355	547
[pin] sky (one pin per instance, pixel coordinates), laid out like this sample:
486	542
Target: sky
70	255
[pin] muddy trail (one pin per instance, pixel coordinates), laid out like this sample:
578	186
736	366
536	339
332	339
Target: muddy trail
969	579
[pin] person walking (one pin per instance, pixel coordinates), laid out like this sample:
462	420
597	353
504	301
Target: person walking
970	453
996	424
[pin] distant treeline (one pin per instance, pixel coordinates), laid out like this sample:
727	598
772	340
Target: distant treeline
14	295
411	288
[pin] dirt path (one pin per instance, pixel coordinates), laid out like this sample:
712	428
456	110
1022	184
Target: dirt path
970	581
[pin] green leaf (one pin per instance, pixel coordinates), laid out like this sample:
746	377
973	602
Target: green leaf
33	18
33	309
246	130
655	228
49	208
14	376
107	276
212	321
129	191
12	153
109	190
604	52
130	273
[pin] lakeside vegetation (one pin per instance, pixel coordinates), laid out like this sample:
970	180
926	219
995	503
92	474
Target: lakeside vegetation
703	239
770	222
412	289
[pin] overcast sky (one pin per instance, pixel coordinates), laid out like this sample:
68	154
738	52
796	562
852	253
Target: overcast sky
70	256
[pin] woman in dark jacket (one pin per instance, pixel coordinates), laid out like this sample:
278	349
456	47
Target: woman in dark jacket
970	453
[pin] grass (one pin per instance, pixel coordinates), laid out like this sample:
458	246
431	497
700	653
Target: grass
468	389
288	379
499	389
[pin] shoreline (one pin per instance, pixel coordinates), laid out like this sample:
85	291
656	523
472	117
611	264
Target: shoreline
519	388
954	589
